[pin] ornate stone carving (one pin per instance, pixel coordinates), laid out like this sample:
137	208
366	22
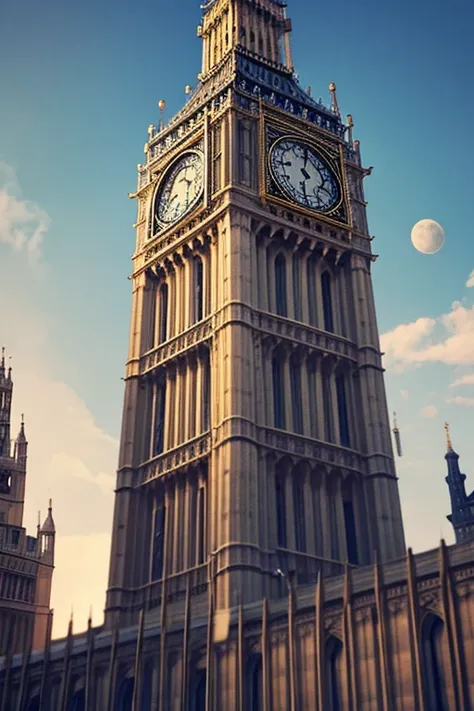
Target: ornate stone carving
169	462
397	605
333	624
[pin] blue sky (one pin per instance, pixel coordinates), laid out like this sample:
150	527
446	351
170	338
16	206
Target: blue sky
82	85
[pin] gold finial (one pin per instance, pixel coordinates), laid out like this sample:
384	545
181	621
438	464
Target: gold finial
187	89
161	106
449	444
334	104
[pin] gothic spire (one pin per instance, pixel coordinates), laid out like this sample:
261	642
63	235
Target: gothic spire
462	506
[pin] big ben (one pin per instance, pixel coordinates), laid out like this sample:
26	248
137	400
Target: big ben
255	428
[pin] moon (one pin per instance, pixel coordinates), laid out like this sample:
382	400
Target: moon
427	236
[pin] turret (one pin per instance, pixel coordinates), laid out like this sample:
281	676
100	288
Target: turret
6	387
21	446
47	537
462	506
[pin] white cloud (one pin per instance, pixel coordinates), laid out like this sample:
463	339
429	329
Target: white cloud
448	339
470	279
429	411
464	380
461	401
22	223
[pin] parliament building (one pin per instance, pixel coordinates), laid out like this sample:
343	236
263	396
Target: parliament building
258	558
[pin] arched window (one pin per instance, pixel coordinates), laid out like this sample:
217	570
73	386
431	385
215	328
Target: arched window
296	399
327	406
280	285
279	419
342	410
201	525
198	294
312	298
297	288
198	701
160	405
349	522
158	541
334	674
255	683
163	323
298	511
333	501
206	392
77	702
280	509
125	695
326	290
432	637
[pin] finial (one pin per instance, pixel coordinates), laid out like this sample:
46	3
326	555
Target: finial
187	89
350	126
308	91
2	362
161	106
50	507
396	434
89	619
449	444
39	519
334	104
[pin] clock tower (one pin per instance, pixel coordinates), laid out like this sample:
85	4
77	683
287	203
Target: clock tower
255	432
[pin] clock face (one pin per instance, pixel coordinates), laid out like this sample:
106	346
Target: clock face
181	189
303	175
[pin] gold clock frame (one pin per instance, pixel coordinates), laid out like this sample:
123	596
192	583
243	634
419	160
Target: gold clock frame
322	141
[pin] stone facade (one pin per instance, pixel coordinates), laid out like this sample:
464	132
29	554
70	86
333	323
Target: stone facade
26	562
258	559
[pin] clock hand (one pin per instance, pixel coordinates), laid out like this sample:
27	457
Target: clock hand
305	173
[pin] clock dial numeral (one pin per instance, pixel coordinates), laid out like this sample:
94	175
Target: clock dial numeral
303	175
181	189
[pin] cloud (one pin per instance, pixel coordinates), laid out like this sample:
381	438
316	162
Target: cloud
464	380
447	339
429	411
23	224
470	279
461	401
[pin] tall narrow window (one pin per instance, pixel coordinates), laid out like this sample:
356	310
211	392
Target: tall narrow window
201	526
342	410
326	290
280	510
297	288
255	684
296	399
198	289
245	152
159	433
158	542
333	521
334	674
312	297
278	393
280	285
200	692
432	635
77	701
312	395
163	324
298	510
125	695
349	521
206	393
217	158
327	405
152	295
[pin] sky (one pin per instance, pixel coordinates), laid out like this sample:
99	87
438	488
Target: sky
82	85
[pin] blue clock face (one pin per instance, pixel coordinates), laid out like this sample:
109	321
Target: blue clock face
303	175
181	189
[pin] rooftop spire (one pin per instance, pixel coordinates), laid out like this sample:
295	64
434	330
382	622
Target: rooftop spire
449	444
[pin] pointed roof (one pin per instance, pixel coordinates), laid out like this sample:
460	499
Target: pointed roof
21	438
48	525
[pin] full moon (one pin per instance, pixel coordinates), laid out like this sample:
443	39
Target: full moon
427	236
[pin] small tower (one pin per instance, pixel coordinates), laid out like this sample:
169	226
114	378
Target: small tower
6	387
396	435
47	537
462	506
